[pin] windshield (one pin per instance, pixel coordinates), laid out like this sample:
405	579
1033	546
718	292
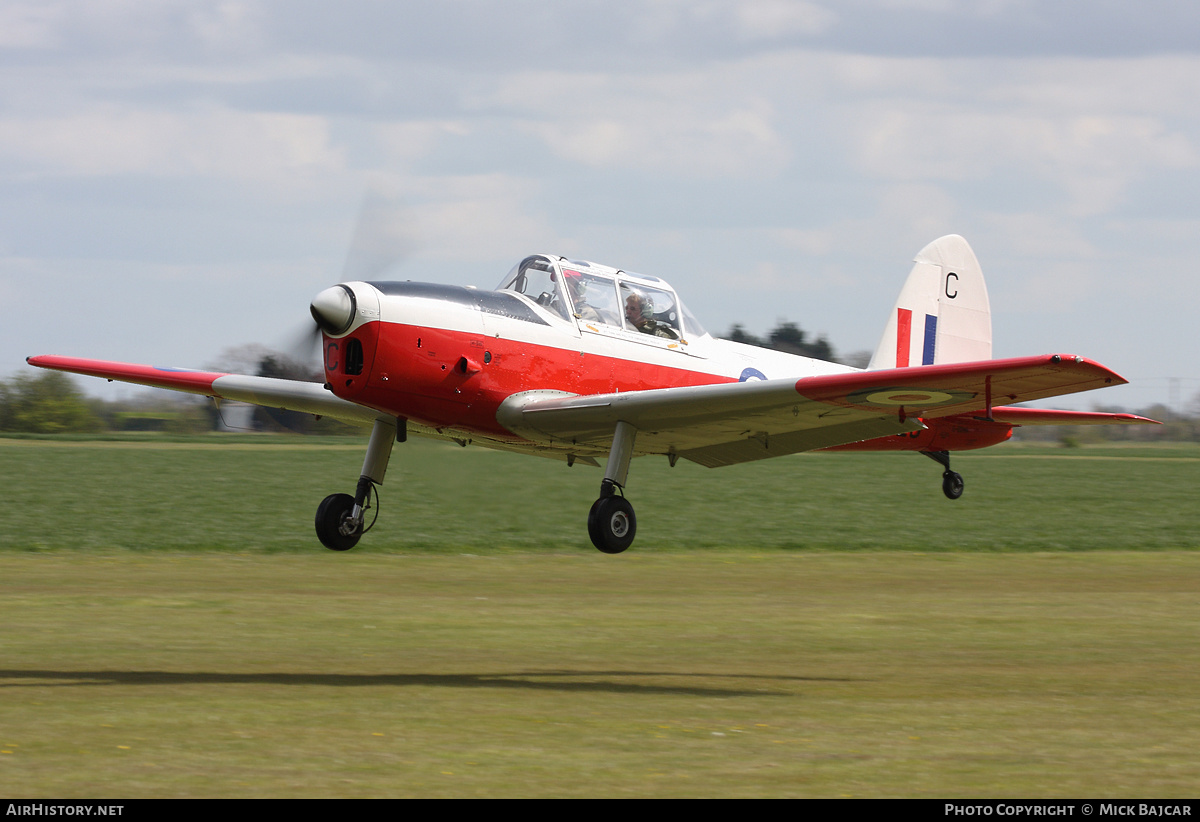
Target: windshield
693	325
537	278
594	297
597	295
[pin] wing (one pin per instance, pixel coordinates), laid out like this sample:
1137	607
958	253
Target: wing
290	395
730	423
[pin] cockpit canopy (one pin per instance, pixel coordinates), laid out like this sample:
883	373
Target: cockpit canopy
597	295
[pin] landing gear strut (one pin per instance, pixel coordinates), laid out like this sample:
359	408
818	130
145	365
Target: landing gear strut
340	517
952	481
611	522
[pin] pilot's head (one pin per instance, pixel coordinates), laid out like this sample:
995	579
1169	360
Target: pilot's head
637	309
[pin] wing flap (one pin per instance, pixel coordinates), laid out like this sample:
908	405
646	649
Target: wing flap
713	425
763	445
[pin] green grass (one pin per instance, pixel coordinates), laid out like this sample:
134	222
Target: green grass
712	674
827	625
259	494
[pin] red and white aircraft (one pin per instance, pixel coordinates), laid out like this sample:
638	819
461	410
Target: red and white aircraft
582	362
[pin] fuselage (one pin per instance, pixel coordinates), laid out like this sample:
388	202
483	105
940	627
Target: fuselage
444	358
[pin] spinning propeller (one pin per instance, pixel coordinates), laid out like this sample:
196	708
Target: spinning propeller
383	236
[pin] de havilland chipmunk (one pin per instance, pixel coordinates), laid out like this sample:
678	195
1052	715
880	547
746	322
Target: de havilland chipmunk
586	363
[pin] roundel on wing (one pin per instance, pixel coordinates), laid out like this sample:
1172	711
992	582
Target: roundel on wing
751	374
913	397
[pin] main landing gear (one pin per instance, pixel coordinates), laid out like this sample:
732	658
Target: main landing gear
952	481
611	522
337	526
341	517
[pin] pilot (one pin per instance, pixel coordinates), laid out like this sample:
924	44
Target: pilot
638	310
578	289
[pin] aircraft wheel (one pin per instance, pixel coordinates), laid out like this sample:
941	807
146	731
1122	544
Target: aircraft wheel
331	513
611	524
952	484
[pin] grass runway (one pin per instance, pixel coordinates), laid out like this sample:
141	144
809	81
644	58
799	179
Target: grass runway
157	642
259	494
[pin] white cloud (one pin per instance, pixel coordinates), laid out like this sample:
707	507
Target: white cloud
227	24
1159	85
746	20
950	143
1077	125
404	142
30	25
920	209
1092	159
771	19
111	140
733	143
809	241
686	123
476	217
1039	237
982	8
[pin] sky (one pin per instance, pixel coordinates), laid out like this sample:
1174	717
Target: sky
180	178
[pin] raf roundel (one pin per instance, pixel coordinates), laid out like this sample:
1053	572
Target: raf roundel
892	397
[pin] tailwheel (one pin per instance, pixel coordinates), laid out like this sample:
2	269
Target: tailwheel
952	484
611	524
336	525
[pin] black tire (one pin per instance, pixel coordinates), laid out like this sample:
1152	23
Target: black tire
952	484
611	524
331	513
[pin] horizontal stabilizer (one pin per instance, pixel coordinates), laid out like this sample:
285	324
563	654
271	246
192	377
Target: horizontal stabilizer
1047	416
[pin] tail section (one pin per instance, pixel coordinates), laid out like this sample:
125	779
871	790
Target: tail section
942	314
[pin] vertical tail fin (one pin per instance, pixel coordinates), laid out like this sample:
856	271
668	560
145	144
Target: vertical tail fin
942	314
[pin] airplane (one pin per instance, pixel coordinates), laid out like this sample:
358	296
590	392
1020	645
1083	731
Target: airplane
583	362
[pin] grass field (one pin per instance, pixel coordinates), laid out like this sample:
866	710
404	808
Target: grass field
819	626
260	494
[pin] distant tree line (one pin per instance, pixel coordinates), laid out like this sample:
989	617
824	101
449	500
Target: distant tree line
50	402
47	403
787	337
